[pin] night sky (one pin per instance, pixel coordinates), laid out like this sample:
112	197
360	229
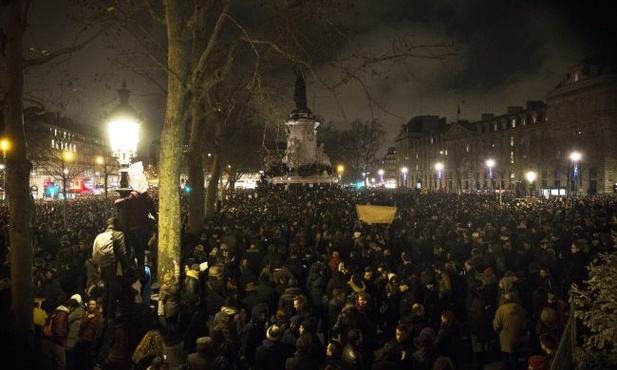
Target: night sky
502	53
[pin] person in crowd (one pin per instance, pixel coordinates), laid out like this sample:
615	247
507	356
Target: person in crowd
150	347
425	353
169	303
272	354
253	333
112	263
548	343
334	356
140	211
390	359
510	324
75	318
204	357
88	333
54	340
50	290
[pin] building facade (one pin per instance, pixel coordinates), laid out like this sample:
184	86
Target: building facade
563	146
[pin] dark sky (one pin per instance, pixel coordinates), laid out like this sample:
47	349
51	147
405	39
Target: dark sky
503	53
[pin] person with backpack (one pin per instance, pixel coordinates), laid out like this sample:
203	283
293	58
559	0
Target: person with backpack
109	253
56	332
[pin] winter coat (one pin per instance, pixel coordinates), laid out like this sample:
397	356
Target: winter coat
510	322
191	290
214	291
60	325
89	326
272	355
169	294
75	318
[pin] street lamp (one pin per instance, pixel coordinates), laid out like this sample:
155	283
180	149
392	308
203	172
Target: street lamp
340	169
5	145
490	163
439	168
531	177
404	171
123	124
575	157
66	156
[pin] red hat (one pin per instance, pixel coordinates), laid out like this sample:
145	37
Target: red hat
538	362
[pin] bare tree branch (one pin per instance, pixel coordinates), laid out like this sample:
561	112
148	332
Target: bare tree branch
60	52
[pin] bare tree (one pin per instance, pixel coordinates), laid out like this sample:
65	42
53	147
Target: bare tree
15	17
361	143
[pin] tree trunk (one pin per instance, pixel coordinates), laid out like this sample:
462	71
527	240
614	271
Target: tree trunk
194	159
18	192
172	142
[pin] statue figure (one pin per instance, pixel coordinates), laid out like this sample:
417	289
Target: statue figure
300	92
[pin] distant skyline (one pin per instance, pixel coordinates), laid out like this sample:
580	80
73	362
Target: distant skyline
506	54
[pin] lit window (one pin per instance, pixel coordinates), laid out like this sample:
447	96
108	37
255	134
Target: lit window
512	141
512	157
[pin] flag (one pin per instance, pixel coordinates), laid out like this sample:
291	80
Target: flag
375	214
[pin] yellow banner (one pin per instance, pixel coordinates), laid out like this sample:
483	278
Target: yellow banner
375	214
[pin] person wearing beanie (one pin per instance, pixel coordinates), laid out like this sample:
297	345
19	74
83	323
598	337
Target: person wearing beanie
271	354
75	317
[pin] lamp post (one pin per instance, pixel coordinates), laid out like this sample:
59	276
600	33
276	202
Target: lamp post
123	124
340	169
404	171
531	177
490	163
5	145
439	168
100	160
66	156
575	157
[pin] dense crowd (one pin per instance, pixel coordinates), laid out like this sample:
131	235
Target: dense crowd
291	279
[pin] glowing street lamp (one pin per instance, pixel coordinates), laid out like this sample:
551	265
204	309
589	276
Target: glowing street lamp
490	163
575	158
531	177
124	124
65	157
5	145
404	171
439	168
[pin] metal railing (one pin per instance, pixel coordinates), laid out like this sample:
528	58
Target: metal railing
564	356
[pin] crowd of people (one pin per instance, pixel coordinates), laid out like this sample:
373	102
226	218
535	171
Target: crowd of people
291	279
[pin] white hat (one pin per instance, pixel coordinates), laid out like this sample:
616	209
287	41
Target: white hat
77	297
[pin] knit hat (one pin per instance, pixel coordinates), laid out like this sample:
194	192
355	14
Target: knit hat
538	362
273	333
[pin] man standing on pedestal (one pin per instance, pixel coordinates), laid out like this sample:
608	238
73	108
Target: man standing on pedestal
137	213
109	253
